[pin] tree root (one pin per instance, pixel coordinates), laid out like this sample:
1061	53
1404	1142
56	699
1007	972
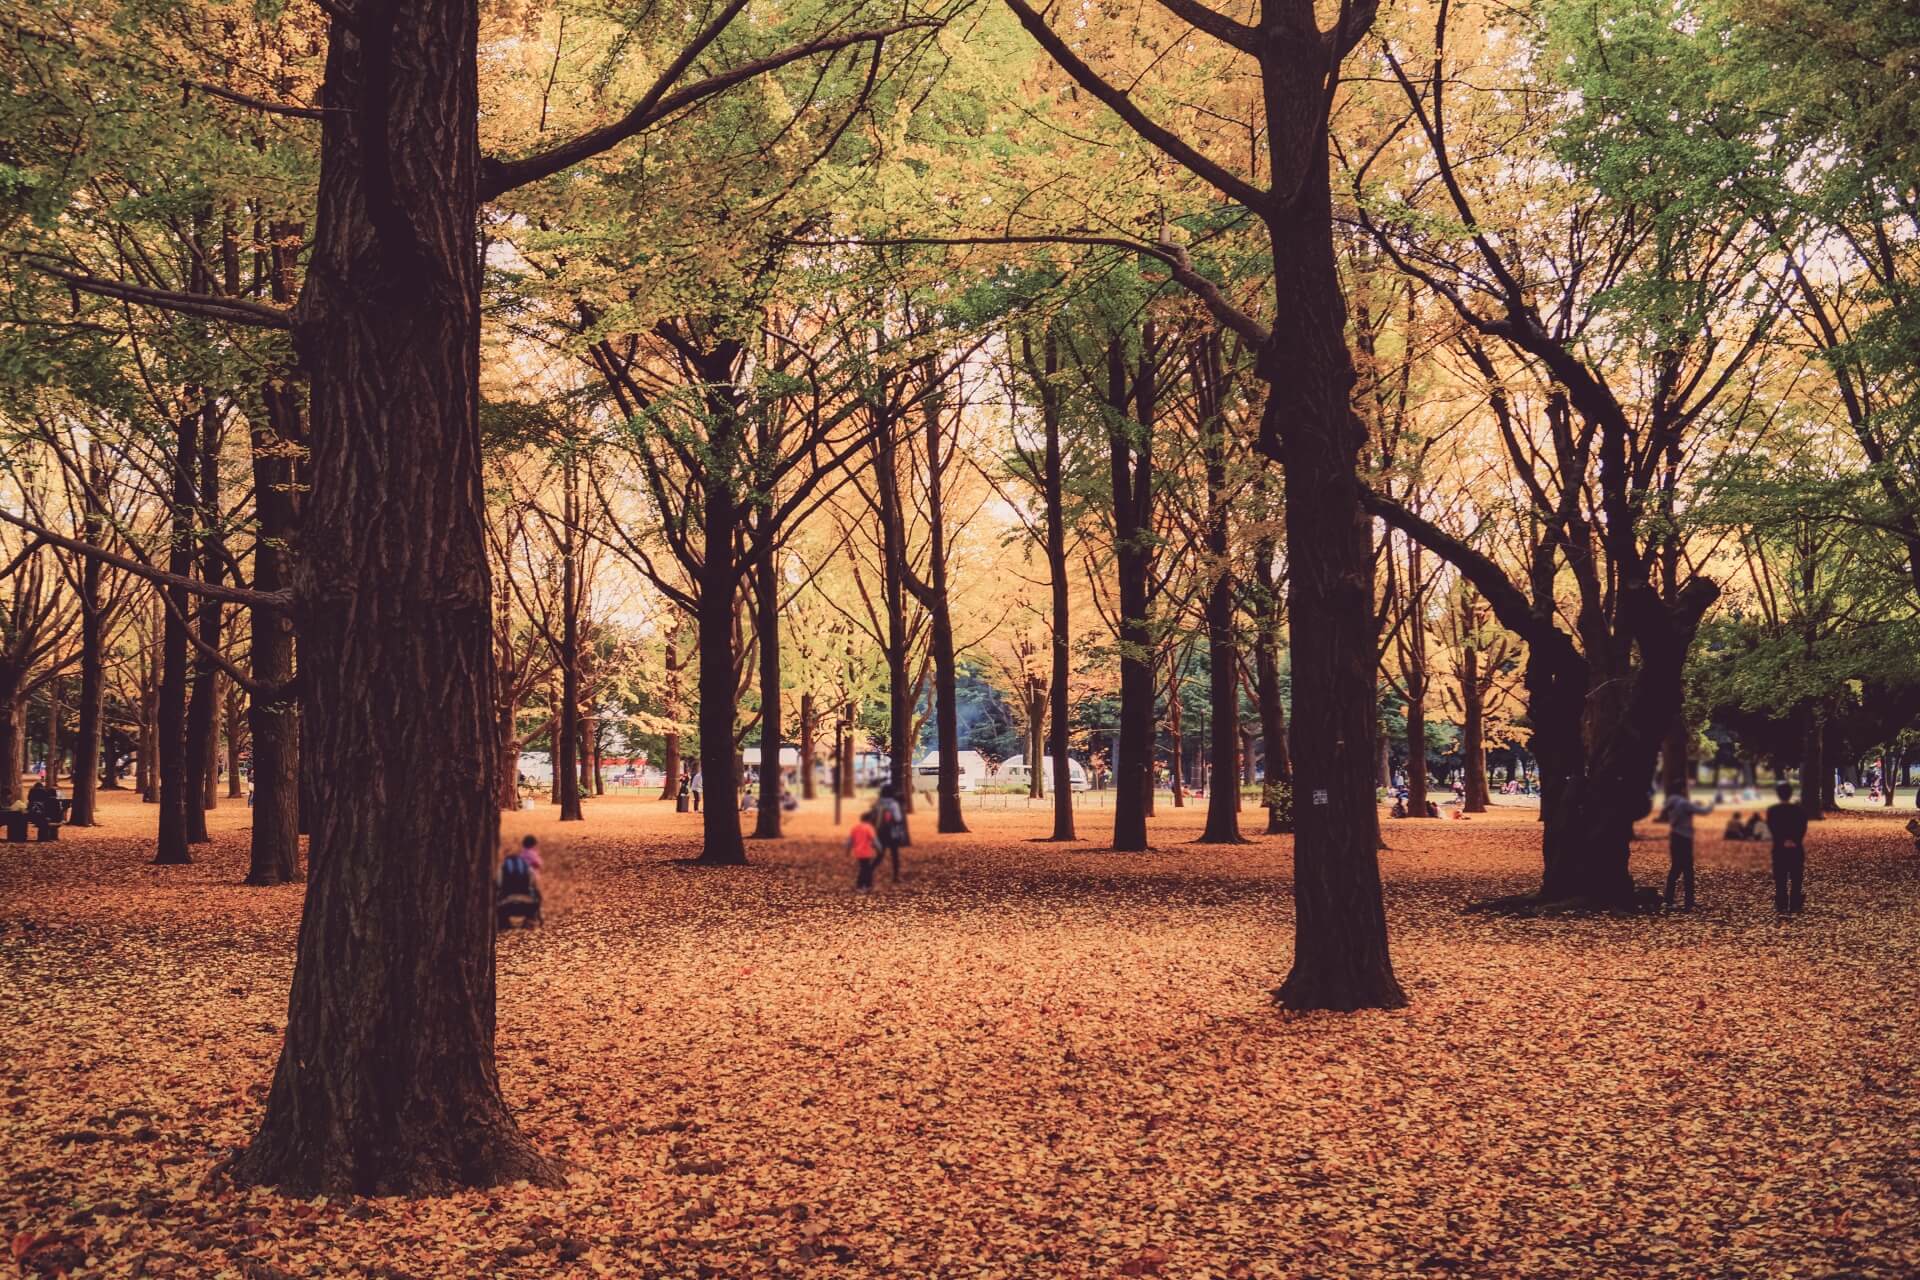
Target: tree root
1532	906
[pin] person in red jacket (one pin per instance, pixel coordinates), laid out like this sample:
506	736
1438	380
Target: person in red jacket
863	844
1787	824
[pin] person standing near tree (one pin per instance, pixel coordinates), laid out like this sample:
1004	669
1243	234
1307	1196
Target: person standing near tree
697	786
892	822
1679	813
1787	823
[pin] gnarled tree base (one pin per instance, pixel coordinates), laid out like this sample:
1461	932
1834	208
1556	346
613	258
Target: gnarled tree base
1338	992
475	1150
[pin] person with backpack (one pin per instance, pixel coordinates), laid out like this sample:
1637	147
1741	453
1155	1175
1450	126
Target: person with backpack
517	885
862	843
892	825
1787	824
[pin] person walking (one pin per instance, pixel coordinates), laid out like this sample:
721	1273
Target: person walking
861	843
1787	824
697	786
1679	813
892	820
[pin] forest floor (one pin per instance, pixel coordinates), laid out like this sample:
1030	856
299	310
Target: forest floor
1025	1060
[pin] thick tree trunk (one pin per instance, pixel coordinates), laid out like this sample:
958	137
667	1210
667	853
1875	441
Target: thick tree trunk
1340	957
900	698
719	588
1813	766
175	778
386	1083
767	624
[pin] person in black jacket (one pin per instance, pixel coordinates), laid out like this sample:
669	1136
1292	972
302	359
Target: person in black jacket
1787	824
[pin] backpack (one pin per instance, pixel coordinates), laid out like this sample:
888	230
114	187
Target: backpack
516	877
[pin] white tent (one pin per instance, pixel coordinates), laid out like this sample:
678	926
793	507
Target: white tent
789	757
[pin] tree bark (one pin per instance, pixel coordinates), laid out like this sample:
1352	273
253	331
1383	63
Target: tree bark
932	594
386	1083
719	589
1341	958
202	740
1223	647
176	800
767	623
670	790
273	854
1473	745
806	746
1053	493
86	746
566	722
1130	462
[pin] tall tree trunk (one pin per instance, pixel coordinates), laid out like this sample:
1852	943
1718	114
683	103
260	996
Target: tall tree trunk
806	746
1223	647
719	588
1340	955
56	747
176	799
203	703
1130	460
1813	765
933	595
893	537
386	1083
1414	650
13	733
1276	759
234	737
1059	632
1176	756
86	746
566	724
1473	744
670	790
273	709
767	624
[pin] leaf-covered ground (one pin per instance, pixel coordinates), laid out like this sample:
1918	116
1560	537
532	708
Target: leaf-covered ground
1026	1060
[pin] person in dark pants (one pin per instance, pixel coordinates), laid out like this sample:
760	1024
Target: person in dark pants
1679	813
1787	823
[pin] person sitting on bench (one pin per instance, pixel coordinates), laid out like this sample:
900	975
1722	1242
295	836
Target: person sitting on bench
44	809
517	886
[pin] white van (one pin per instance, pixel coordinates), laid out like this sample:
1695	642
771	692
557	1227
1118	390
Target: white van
1017	770
973	771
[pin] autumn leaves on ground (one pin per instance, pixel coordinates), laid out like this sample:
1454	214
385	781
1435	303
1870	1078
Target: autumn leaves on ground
1025	1060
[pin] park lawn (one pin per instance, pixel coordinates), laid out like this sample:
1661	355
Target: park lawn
1028	1060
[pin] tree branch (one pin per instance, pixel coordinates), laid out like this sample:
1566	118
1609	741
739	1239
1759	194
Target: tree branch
497	177
281	600
232	310
1150	131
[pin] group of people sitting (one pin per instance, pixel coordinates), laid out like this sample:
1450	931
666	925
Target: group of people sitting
1400	810
1743	827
